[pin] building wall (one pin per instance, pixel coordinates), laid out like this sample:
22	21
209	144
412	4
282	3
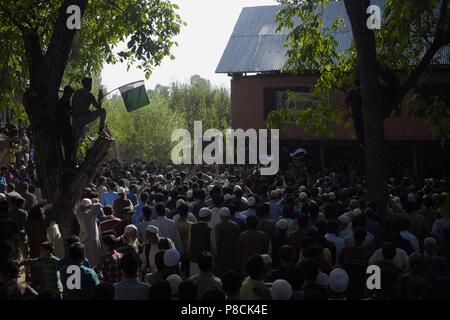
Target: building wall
247	104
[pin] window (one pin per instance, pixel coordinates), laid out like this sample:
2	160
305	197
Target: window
293	97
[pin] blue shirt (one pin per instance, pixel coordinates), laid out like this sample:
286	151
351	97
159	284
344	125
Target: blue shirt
275	210
137	214
133	198
108	198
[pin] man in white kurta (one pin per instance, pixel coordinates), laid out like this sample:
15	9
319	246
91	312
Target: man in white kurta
87	214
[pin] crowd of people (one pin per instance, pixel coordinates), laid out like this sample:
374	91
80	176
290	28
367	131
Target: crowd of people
20	150
148	231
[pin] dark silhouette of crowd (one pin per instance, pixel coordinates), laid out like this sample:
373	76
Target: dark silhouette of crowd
143	231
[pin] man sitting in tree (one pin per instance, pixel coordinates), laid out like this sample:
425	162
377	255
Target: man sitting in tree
82	116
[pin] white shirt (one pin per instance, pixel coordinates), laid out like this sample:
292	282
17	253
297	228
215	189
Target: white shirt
400	259
190	218
168	229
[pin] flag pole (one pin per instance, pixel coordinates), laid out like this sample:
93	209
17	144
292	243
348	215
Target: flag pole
121	87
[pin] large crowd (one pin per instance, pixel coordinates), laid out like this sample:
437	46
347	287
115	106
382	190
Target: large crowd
150	231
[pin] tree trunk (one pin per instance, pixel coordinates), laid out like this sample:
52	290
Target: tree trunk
61	185
372	103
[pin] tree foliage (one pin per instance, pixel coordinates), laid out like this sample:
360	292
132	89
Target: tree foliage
146	133
147	28
410	39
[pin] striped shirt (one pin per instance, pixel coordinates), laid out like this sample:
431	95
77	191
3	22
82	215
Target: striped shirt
108	224
49	272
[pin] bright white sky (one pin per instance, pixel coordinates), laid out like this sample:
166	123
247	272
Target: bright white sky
201	44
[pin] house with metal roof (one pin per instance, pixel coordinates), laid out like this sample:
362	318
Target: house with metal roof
254	59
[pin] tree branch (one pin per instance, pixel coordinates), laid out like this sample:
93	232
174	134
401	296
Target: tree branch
84	173
440	39
61	40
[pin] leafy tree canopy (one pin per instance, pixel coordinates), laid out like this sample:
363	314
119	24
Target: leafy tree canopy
410	39
146	27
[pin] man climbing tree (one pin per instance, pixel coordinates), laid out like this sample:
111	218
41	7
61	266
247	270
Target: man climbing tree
39	52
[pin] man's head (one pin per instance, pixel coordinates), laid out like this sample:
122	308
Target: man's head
204	214
107	210
143	197
389	250
255	267
17	202
147	212
151	234
76	253
188	290
87	83
129	264
68	92
160	209
206	262
231	283
46	249
109	243
359	235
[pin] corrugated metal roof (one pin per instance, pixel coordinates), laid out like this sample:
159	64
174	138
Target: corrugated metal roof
255	45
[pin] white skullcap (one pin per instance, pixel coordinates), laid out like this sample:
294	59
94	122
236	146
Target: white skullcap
338	280
174	281
204	212
344	219
130	228
356	212
86	202
331	196
227	197
266	258
224	212
282	224
302	188
179	202
2	196
121	190
210	187
274	193
281	290
302	195
251	201
189	194
237	187
171	258
152	229
160	176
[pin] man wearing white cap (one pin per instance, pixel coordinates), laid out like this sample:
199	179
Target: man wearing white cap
251	203
337	283
86	214
227	233
152	245
167	227
274	205
281	290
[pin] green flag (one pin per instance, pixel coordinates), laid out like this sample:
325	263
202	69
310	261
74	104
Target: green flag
134	95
